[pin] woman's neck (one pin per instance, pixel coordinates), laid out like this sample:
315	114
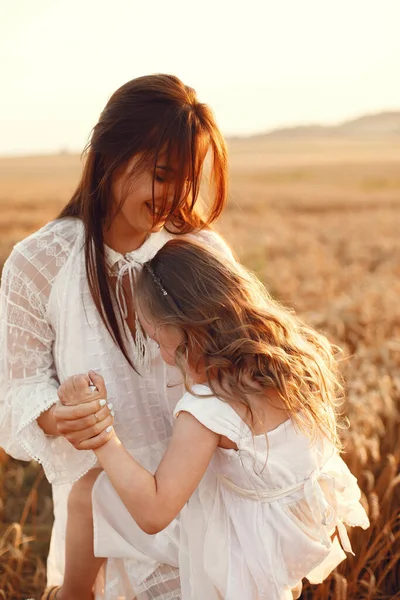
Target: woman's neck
124	239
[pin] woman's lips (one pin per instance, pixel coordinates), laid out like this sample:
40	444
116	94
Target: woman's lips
154	210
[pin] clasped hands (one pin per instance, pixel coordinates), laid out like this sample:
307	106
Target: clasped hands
83	416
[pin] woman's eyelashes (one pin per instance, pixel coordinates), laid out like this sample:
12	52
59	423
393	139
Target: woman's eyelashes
164	175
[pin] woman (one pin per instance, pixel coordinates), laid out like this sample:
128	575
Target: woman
66	296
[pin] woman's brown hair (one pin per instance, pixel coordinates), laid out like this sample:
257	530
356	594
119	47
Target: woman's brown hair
146	117
248	341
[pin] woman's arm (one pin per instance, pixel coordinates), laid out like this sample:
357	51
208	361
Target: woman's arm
28	383
28	378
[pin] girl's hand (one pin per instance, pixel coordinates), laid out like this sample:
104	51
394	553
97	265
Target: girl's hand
84	418
76	389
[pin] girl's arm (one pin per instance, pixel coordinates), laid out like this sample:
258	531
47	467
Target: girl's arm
155	500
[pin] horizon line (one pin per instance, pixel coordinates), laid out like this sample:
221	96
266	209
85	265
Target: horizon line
231	136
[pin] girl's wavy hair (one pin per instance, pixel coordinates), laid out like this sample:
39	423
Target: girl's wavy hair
148	117
250	342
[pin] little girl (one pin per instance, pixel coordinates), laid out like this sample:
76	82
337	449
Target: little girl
253	467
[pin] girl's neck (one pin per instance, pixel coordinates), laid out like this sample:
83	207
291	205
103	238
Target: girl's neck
200	379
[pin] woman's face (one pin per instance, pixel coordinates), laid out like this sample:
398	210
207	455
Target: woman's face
133	196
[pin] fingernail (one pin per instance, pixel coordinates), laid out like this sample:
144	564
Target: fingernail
108	429
110	405
93	388
112	413
102	402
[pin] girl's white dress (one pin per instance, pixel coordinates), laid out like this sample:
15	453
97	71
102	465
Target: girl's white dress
261	519
49	330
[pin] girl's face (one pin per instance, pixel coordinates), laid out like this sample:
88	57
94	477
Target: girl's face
133	196
168	337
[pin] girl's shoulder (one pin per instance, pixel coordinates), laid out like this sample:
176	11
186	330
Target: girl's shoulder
212	412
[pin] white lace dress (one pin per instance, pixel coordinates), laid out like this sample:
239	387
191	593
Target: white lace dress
50	330
260	520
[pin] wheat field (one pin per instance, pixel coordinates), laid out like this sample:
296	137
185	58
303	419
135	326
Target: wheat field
319	222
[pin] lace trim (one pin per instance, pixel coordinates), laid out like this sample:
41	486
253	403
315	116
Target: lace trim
57	456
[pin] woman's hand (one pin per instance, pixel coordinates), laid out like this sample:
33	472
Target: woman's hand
84	418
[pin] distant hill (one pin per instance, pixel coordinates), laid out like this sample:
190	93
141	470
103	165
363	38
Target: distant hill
385	124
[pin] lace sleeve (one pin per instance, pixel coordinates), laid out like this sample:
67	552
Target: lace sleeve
28	381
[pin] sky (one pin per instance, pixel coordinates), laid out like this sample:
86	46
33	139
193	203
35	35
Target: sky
260	64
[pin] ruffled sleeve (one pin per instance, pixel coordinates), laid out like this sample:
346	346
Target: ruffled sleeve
213	413
28	380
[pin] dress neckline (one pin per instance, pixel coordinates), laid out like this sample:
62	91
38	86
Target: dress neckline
273	431
145	252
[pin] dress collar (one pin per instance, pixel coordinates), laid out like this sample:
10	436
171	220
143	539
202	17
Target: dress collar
115	260
126	267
